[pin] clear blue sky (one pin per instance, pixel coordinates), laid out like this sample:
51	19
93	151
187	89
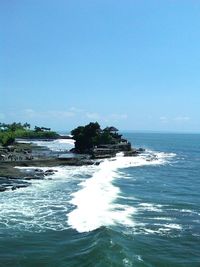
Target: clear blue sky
132	64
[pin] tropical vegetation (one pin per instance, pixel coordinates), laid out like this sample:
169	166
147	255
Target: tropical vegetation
8	132
91	135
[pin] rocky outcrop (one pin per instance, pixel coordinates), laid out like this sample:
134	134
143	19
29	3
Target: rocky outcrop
13	183
107	151
26	155
16	153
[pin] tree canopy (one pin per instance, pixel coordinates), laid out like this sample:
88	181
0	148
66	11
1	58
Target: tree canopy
8	132
91	135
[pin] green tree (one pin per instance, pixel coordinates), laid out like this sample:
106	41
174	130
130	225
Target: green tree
86	137
26	125
6	138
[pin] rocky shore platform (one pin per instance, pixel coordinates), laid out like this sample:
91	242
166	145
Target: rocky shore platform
34	156
30	155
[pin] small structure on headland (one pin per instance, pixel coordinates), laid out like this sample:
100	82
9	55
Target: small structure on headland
91	139
91	143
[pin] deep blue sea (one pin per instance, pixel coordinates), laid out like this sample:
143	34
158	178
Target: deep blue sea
127	211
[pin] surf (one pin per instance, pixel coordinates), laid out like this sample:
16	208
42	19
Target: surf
96	201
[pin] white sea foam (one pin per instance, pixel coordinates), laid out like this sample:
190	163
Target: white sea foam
173	226
186	211
96	200
55	145
161	228
162	218
169	225
45	204
150	207
127	262
42	205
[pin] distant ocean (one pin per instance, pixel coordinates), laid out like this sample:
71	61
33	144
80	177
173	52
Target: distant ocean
128	211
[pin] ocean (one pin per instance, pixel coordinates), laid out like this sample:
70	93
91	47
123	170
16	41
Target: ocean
127	211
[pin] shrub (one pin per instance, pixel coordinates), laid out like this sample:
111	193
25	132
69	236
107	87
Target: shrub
7	138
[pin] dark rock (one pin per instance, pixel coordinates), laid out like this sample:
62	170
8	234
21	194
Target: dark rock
7	183
29	178
18	186
131	153
141	149
152	157
38	177
64	137
97	163
87	162
2	189
49	172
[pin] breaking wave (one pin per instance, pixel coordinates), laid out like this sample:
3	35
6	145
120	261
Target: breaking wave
46	203
96	201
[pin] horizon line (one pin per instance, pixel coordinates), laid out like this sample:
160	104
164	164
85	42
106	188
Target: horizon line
148	131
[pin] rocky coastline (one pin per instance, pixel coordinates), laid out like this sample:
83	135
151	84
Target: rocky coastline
29	155
91	145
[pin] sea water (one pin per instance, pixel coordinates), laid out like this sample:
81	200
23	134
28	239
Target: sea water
127	211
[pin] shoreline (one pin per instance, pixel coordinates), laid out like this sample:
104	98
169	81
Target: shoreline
31	155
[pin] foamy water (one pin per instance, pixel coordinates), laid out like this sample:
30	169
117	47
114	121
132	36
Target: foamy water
42	205
148	206
46	203
55	145
95	202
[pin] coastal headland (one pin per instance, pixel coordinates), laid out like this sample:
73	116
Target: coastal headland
91	145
